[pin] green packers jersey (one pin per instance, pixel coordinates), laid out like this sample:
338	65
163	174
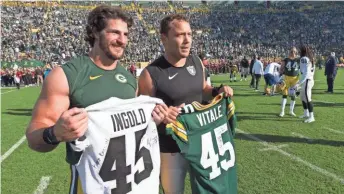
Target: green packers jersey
291	67
204	134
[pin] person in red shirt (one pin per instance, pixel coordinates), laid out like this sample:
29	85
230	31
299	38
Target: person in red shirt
133	69
17	77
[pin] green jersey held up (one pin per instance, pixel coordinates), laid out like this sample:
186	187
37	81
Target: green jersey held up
204	134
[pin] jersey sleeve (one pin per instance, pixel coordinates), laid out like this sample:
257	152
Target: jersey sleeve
303	69
80	144
178	130
232	120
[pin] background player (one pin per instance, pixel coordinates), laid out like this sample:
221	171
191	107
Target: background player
290	68
307	82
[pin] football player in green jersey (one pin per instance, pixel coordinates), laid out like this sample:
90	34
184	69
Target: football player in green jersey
204	134
59	114
291	69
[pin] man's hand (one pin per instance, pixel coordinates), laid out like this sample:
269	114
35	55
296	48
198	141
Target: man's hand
159	113
173	113
228	91
71	125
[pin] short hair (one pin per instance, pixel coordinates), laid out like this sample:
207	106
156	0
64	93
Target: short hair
293	49
98	17
165	23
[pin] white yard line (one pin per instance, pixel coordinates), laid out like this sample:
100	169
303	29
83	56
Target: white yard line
333	130
8	91
326	102
274	147
16	89
297	159
302	136
14	147
245	89
43	185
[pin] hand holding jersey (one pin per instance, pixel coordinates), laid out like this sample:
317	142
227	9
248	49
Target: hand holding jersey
159	113
172	113
228	91
71	125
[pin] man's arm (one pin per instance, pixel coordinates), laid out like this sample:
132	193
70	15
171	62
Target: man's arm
209	90
146	86
52	102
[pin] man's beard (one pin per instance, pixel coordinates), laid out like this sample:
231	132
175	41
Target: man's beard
106	50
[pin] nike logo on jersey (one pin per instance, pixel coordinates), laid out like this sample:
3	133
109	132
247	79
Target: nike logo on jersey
95	77
171	77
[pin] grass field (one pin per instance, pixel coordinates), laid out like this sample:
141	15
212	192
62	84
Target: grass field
274	155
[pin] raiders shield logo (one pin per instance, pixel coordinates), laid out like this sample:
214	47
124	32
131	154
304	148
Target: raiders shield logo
191	70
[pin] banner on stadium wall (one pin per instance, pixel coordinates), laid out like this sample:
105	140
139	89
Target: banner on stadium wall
143	64
23	63
34	30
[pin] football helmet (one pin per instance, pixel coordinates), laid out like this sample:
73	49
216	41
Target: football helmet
281	85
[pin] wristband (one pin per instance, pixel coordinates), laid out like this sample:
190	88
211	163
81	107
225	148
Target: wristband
216	90
49	136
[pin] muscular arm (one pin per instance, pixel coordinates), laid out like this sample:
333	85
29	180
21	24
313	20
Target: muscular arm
207	89
146	86
52	102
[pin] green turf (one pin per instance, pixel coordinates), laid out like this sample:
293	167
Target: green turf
259	170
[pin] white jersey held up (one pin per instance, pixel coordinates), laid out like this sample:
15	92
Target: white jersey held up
120	150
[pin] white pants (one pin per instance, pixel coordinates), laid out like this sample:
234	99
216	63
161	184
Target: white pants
172	172
245	71
306	90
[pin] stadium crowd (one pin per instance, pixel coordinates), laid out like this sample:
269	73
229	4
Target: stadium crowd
53	32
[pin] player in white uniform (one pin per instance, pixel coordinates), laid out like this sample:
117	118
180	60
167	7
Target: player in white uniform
307	83
120	150
270	78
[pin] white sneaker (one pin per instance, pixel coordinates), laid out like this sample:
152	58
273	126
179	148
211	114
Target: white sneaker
281	114
304	117
292	114
309	120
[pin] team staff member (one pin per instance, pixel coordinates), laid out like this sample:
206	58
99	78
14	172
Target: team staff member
59	114
177	78
331	71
